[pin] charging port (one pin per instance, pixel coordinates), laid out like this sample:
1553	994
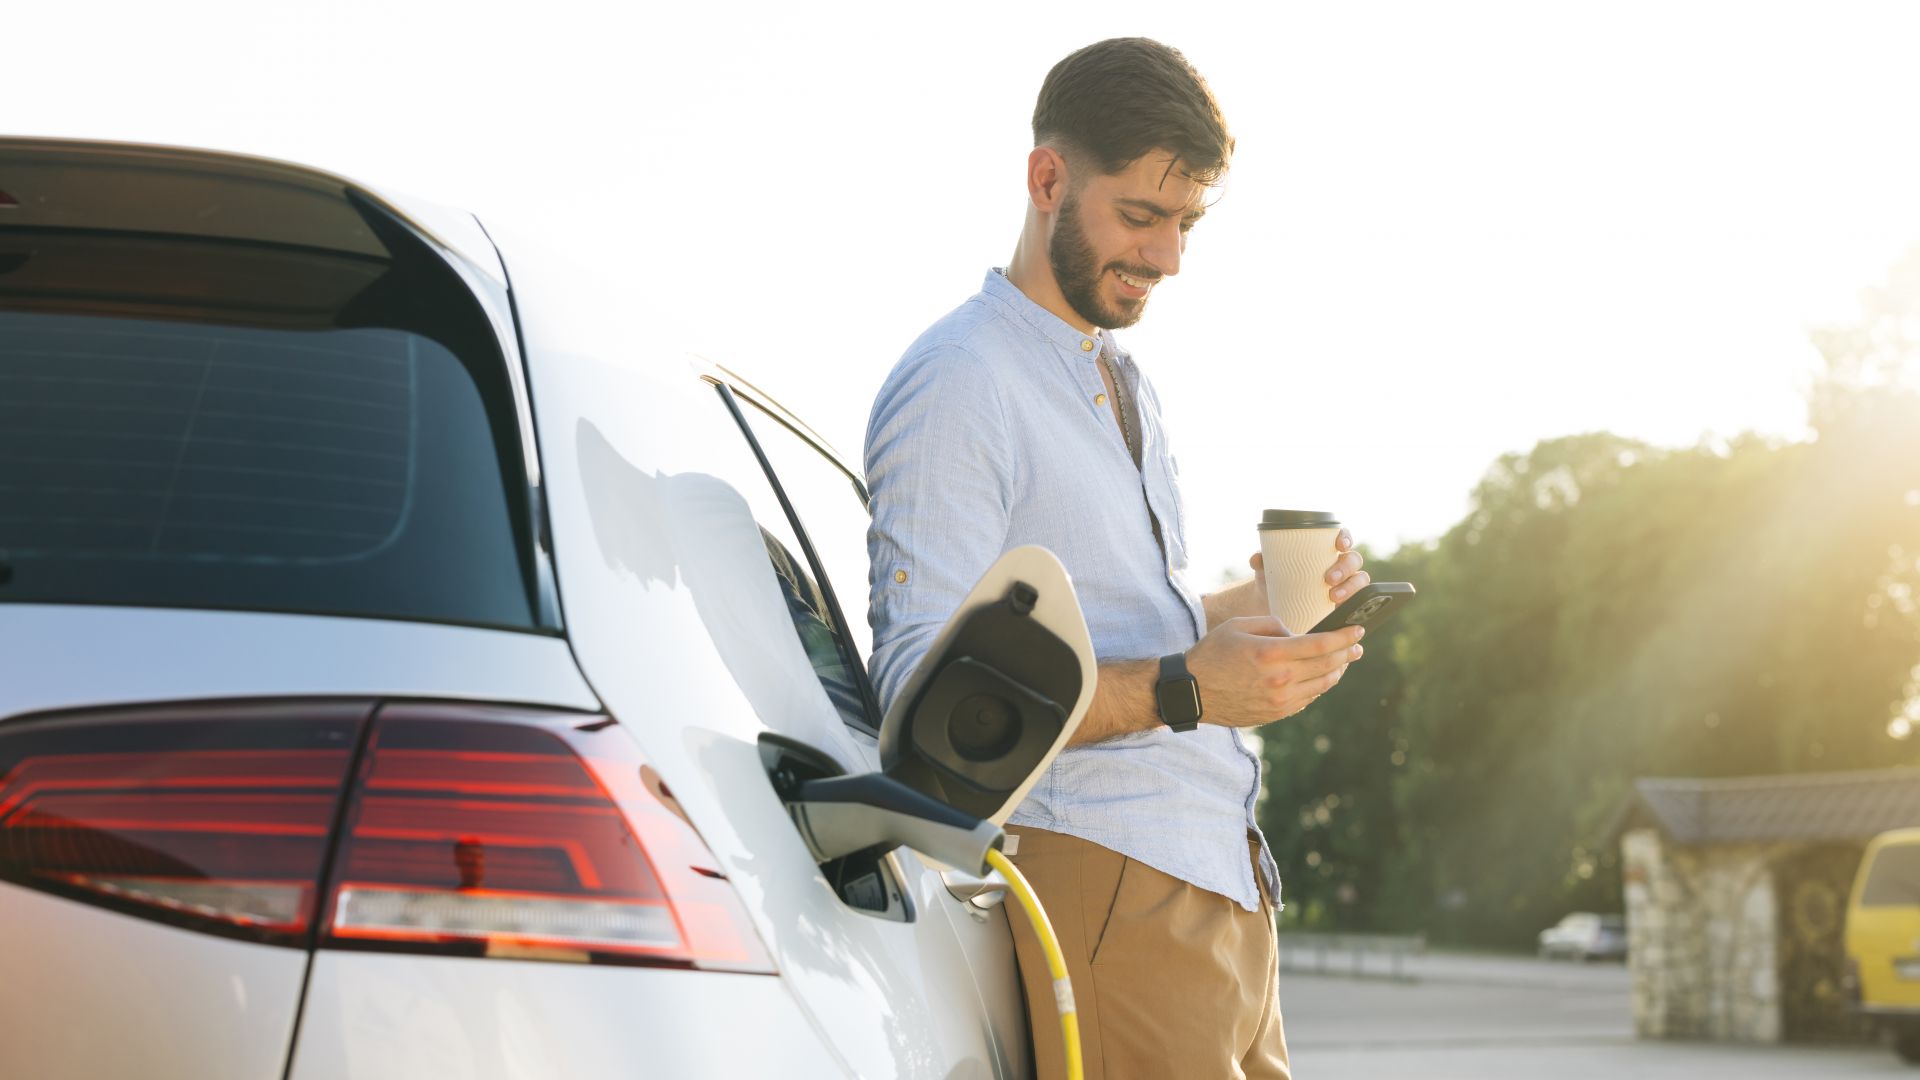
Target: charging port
866	881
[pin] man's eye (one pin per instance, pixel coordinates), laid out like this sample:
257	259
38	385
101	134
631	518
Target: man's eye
1137	223
1187	226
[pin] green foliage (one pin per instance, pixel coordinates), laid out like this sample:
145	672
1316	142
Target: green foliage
1329	814
1606	611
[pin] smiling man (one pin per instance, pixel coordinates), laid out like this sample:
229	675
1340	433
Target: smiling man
1018	419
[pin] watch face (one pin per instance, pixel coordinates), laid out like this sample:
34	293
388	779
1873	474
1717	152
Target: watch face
1179	700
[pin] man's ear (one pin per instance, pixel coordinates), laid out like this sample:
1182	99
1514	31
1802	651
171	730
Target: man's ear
1046	179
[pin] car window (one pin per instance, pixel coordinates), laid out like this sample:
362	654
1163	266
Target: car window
835	645
832	510
815	625
189	423
1894	880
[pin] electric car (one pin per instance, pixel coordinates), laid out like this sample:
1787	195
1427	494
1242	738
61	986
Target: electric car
406	673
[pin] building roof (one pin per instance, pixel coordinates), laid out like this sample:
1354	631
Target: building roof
1806	806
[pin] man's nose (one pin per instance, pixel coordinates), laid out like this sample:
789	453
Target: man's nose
1163	250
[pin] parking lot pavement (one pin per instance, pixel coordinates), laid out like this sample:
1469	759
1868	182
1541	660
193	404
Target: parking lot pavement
1478	968
1495	1018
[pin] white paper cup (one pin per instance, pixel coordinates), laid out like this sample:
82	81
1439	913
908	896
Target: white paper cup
1298	548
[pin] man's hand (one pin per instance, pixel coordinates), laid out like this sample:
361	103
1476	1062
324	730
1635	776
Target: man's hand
1345	575
1252	672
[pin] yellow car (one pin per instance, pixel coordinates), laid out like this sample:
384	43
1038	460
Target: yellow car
1883	938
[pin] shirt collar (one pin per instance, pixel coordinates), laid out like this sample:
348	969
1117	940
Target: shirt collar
1046	323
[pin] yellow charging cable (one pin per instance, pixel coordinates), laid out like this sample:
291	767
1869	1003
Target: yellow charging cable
1056	960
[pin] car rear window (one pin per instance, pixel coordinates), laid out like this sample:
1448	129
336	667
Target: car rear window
1894	879
246	428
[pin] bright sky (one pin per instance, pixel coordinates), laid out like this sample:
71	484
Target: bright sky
1451	230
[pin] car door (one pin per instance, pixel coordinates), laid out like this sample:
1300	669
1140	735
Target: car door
828	502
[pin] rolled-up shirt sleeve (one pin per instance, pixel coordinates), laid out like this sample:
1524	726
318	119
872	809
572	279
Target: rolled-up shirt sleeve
940	471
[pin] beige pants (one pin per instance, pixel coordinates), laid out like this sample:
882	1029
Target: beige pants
1171	981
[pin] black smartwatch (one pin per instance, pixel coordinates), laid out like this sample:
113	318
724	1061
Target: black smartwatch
1178	693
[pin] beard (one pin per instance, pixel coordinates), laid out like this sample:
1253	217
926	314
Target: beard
1079	275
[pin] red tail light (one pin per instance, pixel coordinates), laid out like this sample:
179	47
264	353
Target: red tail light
466	830
213	820
517	835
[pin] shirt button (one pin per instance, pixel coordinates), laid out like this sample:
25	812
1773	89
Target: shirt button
1086	345
900	576
1099	399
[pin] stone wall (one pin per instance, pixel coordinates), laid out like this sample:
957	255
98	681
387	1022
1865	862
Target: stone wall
1701	939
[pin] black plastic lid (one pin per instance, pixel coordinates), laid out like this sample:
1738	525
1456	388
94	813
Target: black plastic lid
1298	519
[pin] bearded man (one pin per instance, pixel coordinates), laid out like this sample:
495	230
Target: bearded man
1019	419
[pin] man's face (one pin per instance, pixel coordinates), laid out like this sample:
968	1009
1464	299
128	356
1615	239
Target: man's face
1115	237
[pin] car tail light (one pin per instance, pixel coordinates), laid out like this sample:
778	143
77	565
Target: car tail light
516	835
209	819
468	830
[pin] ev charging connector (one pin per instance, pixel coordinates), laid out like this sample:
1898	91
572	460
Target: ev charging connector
999	693
843	814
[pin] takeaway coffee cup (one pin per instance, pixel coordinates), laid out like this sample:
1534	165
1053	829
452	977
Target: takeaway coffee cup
1297	547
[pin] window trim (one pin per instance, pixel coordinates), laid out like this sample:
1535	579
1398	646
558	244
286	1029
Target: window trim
753	395
858	663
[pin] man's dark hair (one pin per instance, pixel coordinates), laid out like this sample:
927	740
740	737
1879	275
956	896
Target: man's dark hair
1116	100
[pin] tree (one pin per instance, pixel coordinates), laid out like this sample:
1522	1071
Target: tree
1609	610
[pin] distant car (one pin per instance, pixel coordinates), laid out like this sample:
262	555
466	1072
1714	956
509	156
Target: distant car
1584	935
358	718
1882	977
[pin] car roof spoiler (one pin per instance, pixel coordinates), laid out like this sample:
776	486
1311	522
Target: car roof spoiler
211	194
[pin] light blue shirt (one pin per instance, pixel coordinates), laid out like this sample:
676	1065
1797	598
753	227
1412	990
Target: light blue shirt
991	432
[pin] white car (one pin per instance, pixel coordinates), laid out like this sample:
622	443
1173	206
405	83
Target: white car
1584	935
404	673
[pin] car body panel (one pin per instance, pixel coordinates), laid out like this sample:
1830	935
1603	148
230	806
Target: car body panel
74	656
91	993
986	942
376	1016
662	570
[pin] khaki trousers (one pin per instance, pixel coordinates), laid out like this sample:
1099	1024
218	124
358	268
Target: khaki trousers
1171	982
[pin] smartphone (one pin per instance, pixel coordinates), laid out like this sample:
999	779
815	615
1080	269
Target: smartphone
1371	606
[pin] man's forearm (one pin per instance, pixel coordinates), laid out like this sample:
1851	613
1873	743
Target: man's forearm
1234	602
1123	702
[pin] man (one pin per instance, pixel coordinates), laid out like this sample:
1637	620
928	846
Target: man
1017	419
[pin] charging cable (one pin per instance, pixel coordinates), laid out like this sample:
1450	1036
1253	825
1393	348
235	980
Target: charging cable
1056	960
